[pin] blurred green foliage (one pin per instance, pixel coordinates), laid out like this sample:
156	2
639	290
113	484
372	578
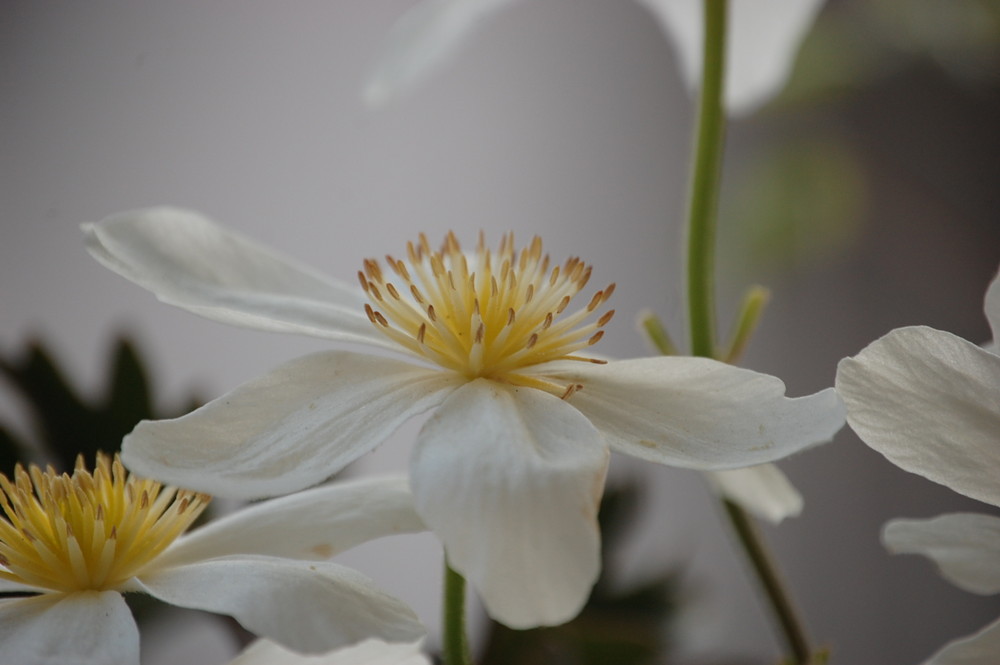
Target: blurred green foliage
66	421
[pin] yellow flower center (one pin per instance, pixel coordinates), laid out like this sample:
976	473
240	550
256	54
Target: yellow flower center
87	531
484	314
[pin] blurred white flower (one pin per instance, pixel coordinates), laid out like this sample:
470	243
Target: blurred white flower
369	652
77	542
764	37
930	402
509	470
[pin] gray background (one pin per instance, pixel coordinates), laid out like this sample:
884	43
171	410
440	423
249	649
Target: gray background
565	118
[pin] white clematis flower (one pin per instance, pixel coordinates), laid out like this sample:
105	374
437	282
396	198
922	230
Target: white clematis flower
509	470
77	542
930	402
762	490
369	652
764	36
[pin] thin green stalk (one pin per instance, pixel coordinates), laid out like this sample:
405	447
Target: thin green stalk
704	192
455	644
702	212
774	589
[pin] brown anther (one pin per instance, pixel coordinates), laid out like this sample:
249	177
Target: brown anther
421	332
416	294
144	499
563	304
480	334
571	389
99	515
392	290
183	505
595	338
4	561
375	293
548	321
595	301
608	290
371	317
494	289
363	280
598	361
381	319
511	316
529	293
554	276
27	535
430	313
532	341
606	317
114	532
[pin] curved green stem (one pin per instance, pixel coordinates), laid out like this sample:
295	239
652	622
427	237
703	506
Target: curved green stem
454	643
701	220
767	573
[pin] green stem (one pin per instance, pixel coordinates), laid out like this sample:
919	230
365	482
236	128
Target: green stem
704	192
702	211
455	644
774	589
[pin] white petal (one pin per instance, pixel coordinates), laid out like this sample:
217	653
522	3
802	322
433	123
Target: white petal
762	490
86	628
189	261
764	37
979	649
930	402
311	607
314	524
965	547
424	37
697	413
369	652
992	308
288	429
510	480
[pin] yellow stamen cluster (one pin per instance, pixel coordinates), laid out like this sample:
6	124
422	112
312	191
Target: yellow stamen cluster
484	314
87	531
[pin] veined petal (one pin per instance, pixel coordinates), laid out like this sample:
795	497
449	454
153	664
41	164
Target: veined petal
288	429
697	413
930	402
313	524
191	262
965	547
369	652
425	36
86	628
979	649
763	490
764	37
992	308
510	480
308	606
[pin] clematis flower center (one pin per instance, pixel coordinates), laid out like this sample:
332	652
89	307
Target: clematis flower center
484	314
87	531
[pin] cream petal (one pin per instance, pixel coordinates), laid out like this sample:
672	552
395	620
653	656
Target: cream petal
930	402
86	628
992	308
965	547
764	38
426	35
369	652
191	262
288	429
313	524
979	649
308	606
510	480
762	490
695	412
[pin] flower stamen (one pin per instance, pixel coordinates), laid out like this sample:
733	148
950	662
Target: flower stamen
483	314
87	531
